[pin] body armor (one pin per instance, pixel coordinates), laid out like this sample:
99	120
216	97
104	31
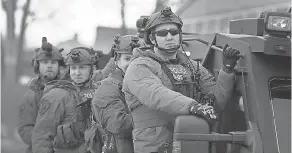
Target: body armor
184	79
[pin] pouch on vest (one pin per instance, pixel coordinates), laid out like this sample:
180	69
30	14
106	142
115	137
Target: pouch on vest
93	138
188	89
110	144
65	137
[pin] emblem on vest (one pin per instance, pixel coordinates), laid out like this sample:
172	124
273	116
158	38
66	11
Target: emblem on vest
178	73
88	95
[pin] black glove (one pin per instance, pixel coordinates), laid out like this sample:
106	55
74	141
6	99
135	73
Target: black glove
206	111
208	99
230	58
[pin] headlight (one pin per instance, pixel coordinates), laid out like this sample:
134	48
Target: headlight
278	23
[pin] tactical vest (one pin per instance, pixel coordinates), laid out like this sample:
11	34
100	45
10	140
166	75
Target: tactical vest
144	117
189	88
83	115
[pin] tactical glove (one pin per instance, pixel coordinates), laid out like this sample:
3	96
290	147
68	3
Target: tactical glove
204	110
230	58
208	99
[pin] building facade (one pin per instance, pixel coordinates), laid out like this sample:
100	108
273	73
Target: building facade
214	22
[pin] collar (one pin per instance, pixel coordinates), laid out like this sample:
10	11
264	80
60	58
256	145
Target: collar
180	57
37	83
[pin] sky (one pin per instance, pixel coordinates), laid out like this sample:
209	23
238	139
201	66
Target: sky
77	16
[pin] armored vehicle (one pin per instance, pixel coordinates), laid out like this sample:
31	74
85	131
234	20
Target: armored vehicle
257	118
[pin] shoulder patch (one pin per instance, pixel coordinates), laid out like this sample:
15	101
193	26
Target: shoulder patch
44	106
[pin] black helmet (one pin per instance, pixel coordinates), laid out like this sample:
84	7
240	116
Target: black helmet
125	44
164	16
81	55
47	51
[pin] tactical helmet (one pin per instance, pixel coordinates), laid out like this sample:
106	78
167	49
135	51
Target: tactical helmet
125	44
81	55
164	16
46	52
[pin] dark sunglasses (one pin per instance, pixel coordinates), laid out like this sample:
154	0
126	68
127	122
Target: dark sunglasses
164	32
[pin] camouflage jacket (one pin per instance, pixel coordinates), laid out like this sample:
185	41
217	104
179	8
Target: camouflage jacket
112	112
28	108
62	105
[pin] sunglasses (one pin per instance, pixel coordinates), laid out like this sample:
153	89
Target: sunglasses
164	32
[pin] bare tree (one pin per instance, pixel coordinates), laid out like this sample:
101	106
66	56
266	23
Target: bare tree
123	27
9	6
14	45
21	38
2	59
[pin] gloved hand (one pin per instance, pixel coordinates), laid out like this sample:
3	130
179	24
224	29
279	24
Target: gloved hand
206	111
208	99
230	58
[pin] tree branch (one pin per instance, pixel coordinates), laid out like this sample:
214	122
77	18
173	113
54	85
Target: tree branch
4	6
39	19
123	27
21	39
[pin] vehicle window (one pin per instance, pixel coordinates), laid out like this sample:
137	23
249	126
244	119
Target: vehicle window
280	98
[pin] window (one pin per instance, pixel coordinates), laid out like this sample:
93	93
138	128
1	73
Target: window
224	25
193	28
280	88
282	9
199	27
186	28
205	27
280	96
211	26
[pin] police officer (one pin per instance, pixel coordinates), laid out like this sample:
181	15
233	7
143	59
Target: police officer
162	83
109	102
65	111
140	25
46	63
